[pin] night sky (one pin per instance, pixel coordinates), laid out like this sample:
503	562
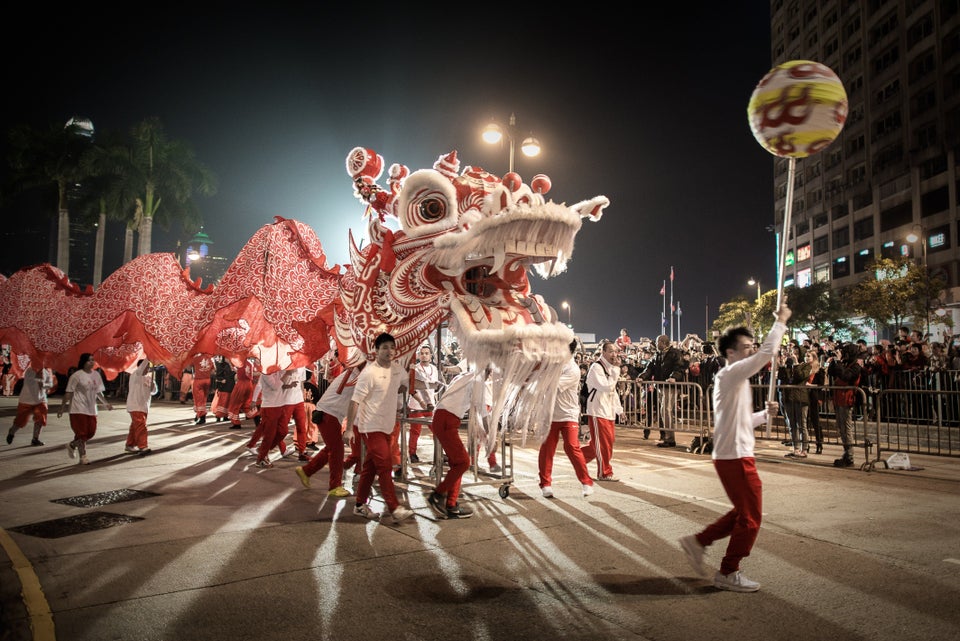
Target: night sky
648	110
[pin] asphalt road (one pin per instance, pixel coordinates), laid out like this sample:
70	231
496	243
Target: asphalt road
212	548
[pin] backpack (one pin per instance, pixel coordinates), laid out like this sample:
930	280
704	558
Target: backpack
698	446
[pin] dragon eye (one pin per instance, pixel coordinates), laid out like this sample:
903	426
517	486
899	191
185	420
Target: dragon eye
431	209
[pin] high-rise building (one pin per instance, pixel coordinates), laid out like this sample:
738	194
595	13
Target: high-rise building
889	184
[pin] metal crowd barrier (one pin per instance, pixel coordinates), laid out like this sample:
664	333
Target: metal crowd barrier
643	406
918	421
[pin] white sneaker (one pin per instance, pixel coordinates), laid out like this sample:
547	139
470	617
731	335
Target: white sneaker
547	492
71	450
694	552
131	449
365	511
495	469
84	460
735	582
400	514
252	451
587	489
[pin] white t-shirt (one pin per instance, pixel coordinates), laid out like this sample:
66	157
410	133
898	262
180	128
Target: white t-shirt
376	394
427	378
567	406
272	387
142	387
85	387
457	397
34	391
336	400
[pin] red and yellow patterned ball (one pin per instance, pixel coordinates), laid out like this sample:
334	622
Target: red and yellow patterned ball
798	109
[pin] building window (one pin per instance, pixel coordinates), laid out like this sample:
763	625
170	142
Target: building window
896	216
888	156
855	145
841	267
857	174
884	28
819	221
852	27
938	239
853	56
888	91
933	202
922	65
862	260
919	30
926	136
821	245
863	229
822	273
803	227
889	250
838	211
886	125
923	101
933	167
855	86
834	158
831	47
841	237
830	19
948	9
886	59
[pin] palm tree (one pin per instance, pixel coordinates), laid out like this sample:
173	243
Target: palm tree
51	158
116	188
167	173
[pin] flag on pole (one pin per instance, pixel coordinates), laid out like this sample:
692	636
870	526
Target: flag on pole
671	274
663	319
673	307
663	290
678	308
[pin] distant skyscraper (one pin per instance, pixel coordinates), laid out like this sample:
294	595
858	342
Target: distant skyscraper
893	170
203	261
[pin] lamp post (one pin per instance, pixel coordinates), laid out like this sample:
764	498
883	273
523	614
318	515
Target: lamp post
565	305
919	234
493	134
756	282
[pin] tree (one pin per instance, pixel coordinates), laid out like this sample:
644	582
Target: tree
894	290
167	173
116	188
734	313
817	309
50	159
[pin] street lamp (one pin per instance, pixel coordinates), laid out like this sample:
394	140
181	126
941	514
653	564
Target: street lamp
756	282
493	134
918	233
565	305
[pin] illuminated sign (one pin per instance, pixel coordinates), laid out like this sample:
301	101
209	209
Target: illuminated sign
788	261
803	252
803	277
937	240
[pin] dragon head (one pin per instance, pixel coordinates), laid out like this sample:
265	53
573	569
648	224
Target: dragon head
465	244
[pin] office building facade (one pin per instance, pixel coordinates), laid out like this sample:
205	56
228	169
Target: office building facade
891	176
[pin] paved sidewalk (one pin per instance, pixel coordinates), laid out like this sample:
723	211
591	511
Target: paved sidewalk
213	548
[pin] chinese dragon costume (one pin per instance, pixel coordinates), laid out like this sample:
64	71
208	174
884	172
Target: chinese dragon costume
457	252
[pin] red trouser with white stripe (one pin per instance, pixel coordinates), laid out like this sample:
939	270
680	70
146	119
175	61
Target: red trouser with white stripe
602	435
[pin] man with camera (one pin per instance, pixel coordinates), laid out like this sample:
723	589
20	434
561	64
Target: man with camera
844	371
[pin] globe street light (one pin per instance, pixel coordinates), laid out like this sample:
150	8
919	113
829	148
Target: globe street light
756	282
565	305
493	134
